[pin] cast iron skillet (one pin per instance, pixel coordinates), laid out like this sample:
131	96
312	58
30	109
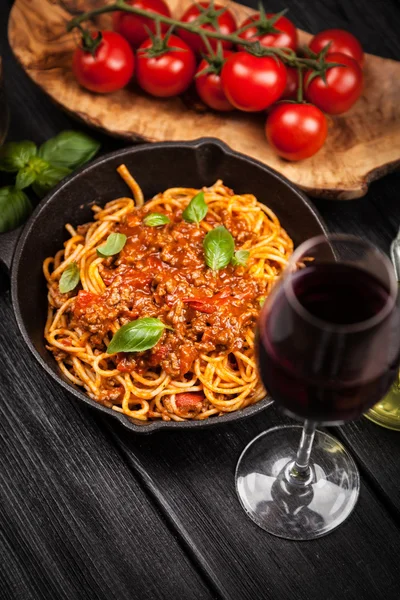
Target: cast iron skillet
156	167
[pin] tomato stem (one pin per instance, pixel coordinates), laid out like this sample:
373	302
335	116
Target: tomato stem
300	98
287	55
206	42
90	42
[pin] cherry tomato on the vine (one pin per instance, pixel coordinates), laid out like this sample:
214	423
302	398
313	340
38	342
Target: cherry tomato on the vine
296	131
341	41
168	74
108	67
133	27
208	17
292	84
286	38
343	85
209	87
252	83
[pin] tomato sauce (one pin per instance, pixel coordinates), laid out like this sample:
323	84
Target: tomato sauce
161	272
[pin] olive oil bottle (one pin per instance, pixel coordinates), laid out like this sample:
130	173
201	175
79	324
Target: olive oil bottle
387	411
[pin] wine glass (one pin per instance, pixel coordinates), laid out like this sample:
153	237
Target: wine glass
328	349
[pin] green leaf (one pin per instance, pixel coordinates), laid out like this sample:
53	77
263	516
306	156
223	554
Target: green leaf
114	244
155	219
38	164
15	207
25	177
69	149
137	336
240	258
196	210
277	16
262	300
47	178
15	155
69	279
219	247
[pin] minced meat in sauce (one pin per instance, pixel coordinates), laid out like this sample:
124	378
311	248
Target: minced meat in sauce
161	272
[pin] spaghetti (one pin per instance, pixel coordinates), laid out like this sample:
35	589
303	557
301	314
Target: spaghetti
204	363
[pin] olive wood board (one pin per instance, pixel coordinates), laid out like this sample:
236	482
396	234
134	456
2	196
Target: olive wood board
362	145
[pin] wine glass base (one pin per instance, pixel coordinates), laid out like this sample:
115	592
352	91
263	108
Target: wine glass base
293	510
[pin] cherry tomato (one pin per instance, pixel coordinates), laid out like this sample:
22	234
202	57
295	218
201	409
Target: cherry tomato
342	41
189	403
208	304
109	68
170	73
287	38
133	27
296	131
343	85
209	87
204	10
292	84
253	83
204	305
188	399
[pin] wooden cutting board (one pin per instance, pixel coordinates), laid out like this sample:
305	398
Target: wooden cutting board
362	145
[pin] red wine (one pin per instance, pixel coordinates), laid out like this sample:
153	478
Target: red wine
322	356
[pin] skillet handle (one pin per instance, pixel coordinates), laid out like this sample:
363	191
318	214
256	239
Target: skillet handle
8	242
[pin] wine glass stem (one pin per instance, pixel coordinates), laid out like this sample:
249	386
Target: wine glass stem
299	470
306	442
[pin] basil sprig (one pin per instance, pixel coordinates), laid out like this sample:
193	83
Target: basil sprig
155	219
42	168
137	336
196	210
15	207
114	244
240	258
69	278
219	248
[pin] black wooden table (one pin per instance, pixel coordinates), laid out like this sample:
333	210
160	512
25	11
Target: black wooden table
89	510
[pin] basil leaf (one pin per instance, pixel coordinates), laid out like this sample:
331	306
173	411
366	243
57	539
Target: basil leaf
137	336
15	155
114	244
69	278
37	164
155	219
196	210
219	247
25	177
240	258
69	149
15	207
47	178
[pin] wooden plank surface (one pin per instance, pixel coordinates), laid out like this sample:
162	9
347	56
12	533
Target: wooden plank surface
75	521
246	562
378	450
89	511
